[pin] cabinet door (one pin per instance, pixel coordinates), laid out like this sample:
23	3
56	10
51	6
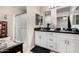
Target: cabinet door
61	45
44	40
73	46
40	39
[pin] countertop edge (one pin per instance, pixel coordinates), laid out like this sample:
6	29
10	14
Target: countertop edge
58	31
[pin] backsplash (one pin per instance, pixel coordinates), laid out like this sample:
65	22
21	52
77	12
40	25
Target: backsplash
61	22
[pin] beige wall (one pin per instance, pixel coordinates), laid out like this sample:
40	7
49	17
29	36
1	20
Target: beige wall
54	17
43	8
10	12
10	22
31	11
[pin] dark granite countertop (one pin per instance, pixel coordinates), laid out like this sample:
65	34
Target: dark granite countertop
67	32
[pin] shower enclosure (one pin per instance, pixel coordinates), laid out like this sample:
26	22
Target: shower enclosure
21	28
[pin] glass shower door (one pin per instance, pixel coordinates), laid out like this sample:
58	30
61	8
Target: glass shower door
20	28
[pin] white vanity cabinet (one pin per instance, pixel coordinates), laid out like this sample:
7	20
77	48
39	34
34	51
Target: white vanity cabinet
51	40
45	39
59	42
40	39
67	43
61	45
73	46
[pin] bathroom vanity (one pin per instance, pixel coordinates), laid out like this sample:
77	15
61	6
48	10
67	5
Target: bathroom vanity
58	41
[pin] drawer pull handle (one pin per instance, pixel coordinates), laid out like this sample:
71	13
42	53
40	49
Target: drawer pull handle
50	34
51	39
51	46
68	42
65	41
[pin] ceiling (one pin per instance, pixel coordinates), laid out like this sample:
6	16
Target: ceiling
12	10
65	9
23	8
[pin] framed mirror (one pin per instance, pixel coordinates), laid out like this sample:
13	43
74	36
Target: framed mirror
39	19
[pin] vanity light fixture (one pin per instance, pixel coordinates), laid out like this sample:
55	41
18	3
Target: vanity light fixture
51	7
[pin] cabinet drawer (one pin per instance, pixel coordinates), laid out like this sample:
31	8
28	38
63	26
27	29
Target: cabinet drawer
61	35
74	37
50	34
67	36
50	39
51	47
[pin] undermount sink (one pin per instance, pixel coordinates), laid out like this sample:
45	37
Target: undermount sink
46	28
